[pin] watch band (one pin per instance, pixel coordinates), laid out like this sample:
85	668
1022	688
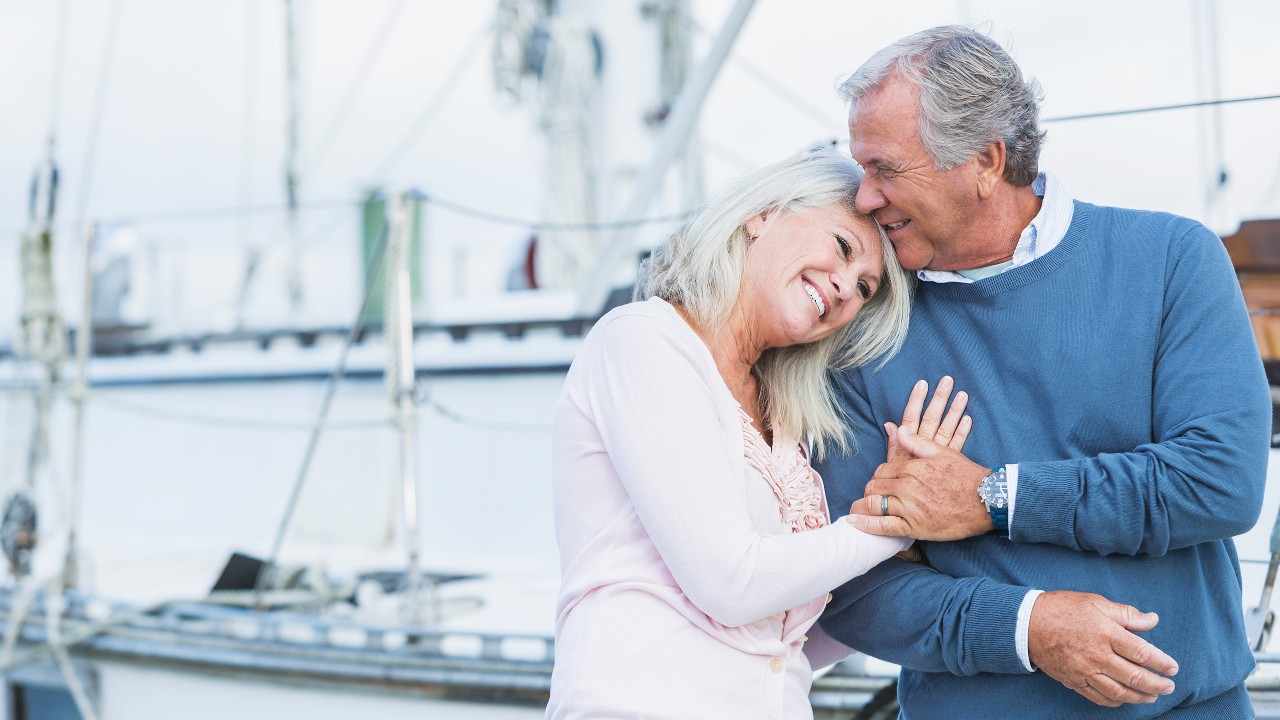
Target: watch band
999	509
1000	519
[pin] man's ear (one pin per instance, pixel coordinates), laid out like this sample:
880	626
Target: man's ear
989	165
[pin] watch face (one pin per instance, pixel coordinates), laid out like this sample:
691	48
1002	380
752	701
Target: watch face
994	491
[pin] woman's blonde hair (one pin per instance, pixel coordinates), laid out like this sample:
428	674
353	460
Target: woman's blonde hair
699	268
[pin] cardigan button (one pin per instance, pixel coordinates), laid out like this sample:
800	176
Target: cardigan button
830	597
775	664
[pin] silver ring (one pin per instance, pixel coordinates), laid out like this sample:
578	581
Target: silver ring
884	504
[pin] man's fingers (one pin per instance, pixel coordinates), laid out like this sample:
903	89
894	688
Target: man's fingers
1117	693
889	525
1145	655
1128	616
1095	697
868	505
915	406
932	417
962	434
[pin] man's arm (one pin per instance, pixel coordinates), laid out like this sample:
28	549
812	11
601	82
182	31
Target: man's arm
1200	479
921	619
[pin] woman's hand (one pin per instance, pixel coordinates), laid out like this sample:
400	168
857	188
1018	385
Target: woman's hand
950	431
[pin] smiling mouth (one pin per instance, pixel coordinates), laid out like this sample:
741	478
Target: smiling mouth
892	227
817	299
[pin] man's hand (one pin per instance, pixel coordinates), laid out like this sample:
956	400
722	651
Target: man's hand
1087	643
928	488
934	497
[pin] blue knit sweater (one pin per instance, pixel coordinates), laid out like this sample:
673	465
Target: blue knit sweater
1120	373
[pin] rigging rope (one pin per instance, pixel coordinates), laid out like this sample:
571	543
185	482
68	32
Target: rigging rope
375	266
367	63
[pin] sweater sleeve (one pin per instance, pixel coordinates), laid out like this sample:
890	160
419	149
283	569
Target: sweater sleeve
904	612
1201	478
656	415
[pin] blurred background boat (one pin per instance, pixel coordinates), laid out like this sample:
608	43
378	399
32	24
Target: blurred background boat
334	259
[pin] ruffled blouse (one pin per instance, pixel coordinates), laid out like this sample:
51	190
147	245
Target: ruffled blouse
787	471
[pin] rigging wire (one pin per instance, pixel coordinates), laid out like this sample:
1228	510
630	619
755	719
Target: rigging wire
501	219
1159	108
798	102
55	95
252	251
150	411
367	63
434	104
181	216
375	266
143	410
95	118
460	419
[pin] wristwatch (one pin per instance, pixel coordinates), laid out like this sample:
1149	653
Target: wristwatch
994	493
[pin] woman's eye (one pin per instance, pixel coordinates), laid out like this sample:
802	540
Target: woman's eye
864	290
845	250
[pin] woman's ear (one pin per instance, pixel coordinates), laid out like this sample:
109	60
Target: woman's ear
755	225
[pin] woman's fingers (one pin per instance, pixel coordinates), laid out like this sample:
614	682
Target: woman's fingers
915	407
932	418
947	428
891	433
962	434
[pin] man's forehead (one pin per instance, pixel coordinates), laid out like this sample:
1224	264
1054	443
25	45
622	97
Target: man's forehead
882	119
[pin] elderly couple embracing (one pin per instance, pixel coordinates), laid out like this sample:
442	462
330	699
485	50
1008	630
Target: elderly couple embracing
753	478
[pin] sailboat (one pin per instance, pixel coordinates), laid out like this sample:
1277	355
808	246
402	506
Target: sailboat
304	518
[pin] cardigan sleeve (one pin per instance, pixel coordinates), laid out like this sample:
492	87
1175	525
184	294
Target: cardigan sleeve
649	397
907	613
1201	478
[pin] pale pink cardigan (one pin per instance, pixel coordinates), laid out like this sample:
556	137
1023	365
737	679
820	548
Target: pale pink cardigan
684	591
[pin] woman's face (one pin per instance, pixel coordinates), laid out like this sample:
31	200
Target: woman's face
808	273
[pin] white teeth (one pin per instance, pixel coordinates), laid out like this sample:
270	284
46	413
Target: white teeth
895	226
817	299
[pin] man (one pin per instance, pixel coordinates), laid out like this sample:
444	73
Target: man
1120	420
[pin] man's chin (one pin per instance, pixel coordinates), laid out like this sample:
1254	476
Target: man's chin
912	258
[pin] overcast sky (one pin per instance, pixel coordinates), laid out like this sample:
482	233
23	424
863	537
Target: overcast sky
193	117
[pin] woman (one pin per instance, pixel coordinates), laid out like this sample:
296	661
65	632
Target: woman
696	547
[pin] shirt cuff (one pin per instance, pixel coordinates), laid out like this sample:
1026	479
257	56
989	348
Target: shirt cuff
1021	637
1011	482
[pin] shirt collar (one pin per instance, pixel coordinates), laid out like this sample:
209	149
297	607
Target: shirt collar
1044	233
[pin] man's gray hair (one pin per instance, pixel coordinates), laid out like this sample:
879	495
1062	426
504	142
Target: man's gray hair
699	268
972	93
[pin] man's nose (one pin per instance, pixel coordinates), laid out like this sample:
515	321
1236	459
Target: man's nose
869	197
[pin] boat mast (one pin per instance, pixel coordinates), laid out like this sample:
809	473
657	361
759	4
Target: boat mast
676	130
400	379
291	158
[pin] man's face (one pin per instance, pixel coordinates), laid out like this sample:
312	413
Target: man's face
931	215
